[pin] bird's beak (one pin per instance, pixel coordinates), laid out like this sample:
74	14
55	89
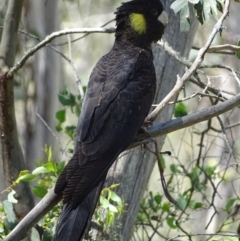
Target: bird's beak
163	18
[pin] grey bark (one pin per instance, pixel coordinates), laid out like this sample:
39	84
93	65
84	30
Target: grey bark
133	170
44	19
11	156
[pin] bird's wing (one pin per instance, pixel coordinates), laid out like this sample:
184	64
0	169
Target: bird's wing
118	99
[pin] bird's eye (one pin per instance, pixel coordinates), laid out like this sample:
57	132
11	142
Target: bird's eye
154	12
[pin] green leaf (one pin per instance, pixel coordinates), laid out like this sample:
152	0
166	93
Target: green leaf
238	53
171	223
180	110
162	160
66	99
61	117
34	234
166	207
114	185
8	209
84	89
158	199
184	18
70	130
27	178
213	5
22	173
50	166
155	218
40	170
197	205
199	11
195	175
39	191
104	202
174	168
60	166
210	170
177	5
110	218
219	6
206	10
11	197
194	1
47	235
182	202
78	110
112	208
48	151
1	228
114	197
229	204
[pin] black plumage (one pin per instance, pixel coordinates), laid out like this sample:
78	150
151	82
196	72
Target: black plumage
119	96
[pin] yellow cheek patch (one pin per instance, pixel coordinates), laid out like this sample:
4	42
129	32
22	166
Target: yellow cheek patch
138	22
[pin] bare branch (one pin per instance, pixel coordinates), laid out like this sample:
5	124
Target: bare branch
180	82
50	129
43	207
196	93
226	140
52	36
218	48
186	121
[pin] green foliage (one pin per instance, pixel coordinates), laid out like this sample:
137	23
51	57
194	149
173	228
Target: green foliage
112	205
230	203
180	110
157	216
202	9
44	176
70	102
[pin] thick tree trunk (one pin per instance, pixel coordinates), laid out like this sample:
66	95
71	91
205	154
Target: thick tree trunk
132	171
11	157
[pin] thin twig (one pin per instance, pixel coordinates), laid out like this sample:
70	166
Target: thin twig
52	36
50	129
85	35
180	81
196	93
218	48
226	140
161	171
205	234
78	80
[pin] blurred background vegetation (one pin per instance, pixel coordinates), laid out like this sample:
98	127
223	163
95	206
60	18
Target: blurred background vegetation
201	173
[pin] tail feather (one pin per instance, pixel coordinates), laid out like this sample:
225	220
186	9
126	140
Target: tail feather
73	223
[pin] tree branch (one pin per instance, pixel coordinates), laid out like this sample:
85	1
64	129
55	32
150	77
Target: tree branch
51	199
222	47
11	156
52	36
186	121
180	82
42	208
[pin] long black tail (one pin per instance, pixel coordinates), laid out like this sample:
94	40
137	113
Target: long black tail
73	223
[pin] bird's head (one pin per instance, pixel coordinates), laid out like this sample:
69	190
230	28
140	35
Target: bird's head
141	20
